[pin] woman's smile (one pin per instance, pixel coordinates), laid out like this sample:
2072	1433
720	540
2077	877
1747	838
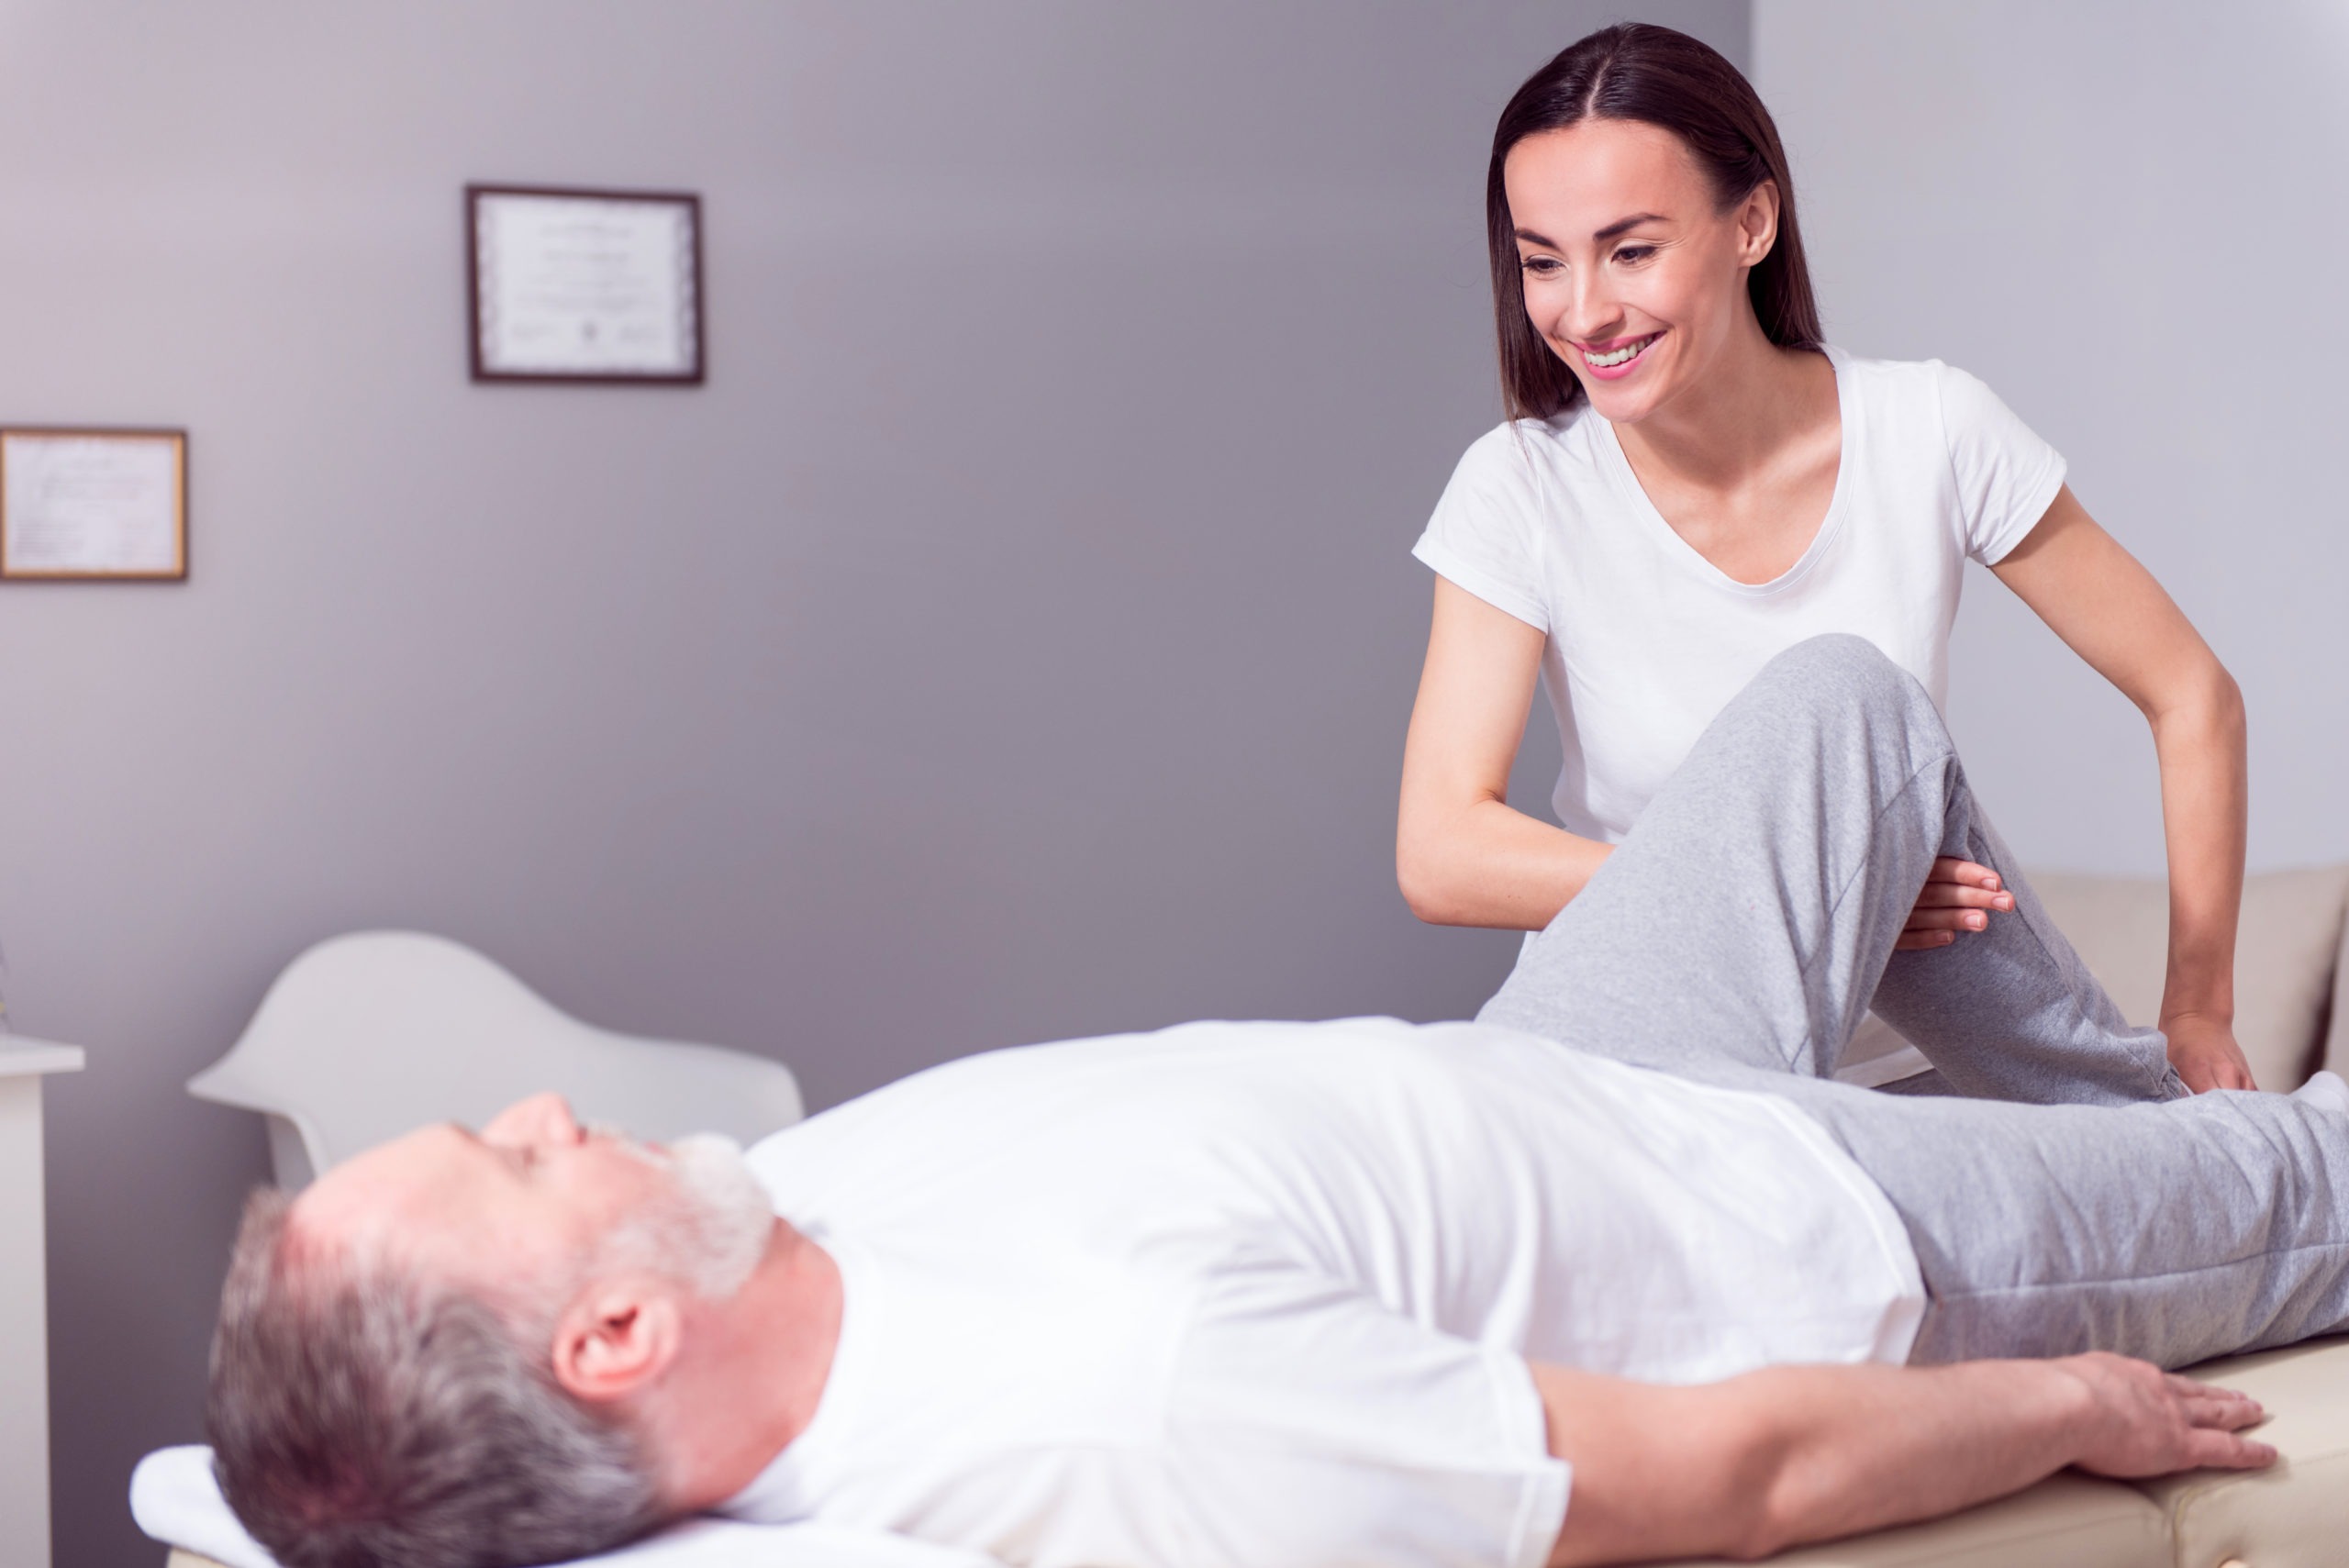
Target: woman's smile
1612	360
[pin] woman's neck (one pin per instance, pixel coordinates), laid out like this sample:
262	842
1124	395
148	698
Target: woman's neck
1747	405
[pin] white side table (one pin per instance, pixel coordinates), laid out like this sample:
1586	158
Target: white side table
24	1302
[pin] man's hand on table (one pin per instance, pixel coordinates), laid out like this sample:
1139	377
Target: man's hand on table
2140	1420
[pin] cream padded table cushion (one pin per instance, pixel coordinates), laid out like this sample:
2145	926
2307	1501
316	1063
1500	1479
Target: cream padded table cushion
2336	1040
2290	938
2293	1515
2296	1514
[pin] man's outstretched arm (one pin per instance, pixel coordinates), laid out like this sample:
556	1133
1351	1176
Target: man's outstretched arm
1774	1458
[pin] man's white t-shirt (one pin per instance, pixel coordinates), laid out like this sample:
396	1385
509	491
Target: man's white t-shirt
1262	1295
1648	641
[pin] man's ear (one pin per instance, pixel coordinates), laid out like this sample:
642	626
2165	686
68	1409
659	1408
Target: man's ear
616	1339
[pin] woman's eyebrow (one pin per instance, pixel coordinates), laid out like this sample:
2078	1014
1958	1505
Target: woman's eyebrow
1620	226
1621	223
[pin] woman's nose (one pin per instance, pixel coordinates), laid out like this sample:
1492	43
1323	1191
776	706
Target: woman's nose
1591	313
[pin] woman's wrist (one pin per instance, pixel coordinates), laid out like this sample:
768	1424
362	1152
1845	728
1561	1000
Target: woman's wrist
2198	985
2191	998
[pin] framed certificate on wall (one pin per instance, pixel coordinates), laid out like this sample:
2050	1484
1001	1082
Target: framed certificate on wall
585	285
93	504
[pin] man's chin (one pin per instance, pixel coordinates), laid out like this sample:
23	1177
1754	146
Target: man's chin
730	1211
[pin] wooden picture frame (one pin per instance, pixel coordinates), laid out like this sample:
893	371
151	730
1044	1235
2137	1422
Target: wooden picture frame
584	286
93	503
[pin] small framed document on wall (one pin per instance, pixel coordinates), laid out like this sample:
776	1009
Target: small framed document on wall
93	504
585	285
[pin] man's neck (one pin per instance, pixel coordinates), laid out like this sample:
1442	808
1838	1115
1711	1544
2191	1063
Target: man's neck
760	1360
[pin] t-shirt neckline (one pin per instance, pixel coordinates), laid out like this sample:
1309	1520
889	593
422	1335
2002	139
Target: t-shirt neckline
1847	415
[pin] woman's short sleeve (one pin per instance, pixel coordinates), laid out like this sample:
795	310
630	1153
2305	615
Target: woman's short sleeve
1484	535
2006	475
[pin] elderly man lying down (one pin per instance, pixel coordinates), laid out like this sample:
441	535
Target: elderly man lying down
1611	1273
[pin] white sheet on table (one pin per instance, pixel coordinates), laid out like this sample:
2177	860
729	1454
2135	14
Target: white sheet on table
175	1499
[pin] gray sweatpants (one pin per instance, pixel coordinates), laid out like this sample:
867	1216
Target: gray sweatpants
2064	1197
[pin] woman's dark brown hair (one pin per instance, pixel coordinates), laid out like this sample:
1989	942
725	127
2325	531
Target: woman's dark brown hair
1639	72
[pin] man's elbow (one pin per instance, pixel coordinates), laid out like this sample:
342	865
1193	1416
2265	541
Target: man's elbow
1797	1494
1773	1491
1768	1530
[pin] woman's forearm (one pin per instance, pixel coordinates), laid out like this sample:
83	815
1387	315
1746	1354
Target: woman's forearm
2106	605
2205	794
1462	856
1487	863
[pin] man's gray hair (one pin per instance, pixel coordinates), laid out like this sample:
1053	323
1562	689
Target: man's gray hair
363	1419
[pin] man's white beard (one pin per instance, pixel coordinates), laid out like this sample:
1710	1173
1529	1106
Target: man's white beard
714	1232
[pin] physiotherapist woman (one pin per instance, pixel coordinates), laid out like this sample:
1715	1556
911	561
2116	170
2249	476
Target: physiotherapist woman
1691	481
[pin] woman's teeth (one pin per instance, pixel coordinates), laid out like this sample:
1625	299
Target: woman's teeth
1619	356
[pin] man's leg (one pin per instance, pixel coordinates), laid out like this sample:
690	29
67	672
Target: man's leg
2012	1012
1749	918
2174	1231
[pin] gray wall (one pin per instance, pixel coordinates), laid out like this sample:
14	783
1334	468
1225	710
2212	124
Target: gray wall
1013	639
2125	216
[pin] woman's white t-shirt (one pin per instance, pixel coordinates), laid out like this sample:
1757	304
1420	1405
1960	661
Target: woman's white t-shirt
1648	641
